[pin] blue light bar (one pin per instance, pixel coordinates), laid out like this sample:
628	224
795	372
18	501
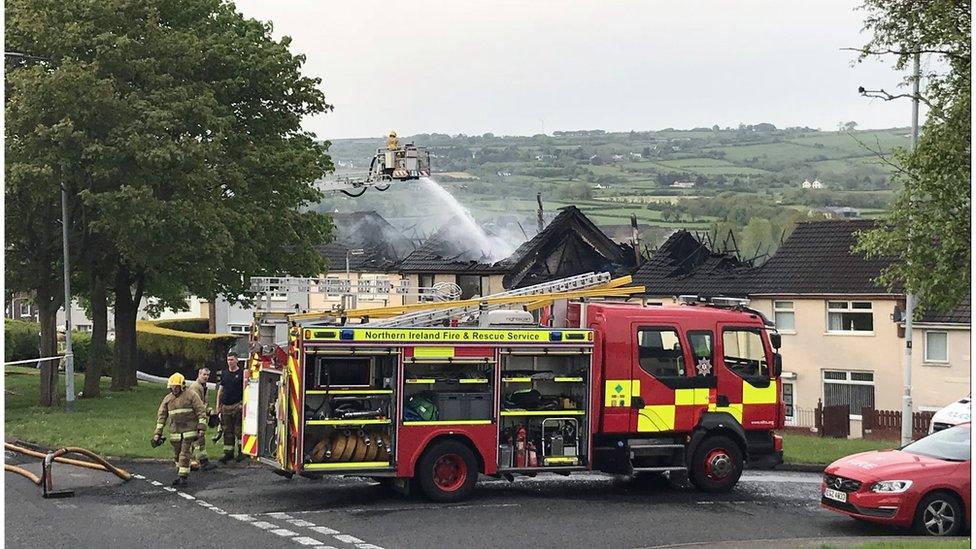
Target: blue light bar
346	334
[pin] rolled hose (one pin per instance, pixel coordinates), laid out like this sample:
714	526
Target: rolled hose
22	472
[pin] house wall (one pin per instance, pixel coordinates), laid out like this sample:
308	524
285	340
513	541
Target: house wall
196	308
494	284
935	385
320	302
810	349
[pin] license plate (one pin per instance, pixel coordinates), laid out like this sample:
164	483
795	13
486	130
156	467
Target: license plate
835	495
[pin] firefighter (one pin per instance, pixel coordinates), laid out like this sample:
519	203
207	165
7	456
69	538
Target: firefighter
199	387
392	143
187	417
229	396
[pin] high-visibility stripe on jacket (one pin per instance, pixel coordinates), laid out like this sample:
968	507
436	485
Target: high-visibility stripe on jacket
185	413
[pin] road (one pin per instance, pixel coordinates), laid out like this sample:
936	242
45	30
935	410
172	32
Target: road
247	506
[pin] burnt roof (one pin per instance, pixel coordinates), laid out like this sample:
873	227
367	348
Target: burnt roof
443	254
684	264
584	248
384	247
961	314
817	259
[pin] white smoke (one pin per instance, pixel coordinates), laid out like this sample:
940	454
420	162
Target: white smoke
469	235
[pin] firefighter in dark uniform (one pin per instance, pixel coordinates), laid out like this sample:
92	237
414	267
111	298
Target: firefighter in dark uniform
187	416
199	387
229	396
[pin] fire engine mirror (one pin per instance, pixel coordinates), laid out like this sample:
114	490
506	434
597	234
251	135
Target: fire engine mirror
775	339
777	365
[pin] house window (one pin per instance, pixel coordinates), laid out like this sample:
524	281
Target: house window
937	347
743	352
470	285
788	402
83	328
850	316
853	389
279	296
239	328
659	352
784	317
25	308
426	282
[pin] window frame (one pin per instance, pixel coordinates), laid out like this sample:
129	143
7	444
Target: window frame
457	280
925	345
848	309
681	343
780	309
424	289
848	380
694	356
767	359
246	329
788	418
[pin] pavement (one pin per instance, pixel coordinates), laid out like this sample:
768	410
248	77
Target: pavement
245	505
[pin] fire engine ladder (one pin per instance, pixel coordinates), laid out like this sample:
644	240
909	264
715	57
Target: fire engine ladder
536	292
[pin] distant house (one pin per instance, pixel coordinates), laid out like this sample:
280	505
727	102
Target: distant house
21	306
844	212
569	245
636	156
618	157
683	185
808	185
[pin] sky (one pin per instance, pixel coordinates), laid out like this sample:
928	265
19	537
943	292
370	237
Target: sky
528	67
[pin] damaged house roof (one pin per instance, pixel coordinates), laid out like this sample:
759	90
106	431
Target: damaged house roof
569	245
685	265
384	247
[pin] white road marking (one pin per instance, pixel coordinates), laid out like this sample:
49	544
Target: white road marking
155	483
218	510
279	515
184	495
323	547
367	546
300	522
264	525
138	476
204	503
346	538
305	540
242	517
323	530
169	489
283	532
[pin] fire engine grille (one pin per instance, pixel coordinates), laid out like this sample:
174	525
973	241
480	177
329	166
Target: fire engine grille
841	483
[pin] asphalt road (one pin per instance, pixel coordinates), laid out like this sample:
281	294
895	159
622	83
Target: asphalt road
248	506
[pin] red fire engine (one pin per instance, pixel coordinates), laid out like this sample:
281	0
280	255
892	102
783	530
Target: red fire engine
623	389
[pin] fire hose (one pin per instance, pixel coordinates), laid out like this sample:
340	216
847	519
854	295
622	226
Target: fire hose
46	480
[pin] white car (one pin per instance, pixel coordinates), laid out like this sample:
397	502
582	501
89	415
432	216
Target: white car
953	414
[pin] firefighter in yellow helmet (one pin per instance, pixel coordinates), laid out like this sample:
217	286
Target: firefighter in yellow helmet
392	143
187	417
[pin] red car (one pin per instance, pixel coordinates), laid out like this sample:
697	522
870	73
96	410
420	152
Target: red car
924	485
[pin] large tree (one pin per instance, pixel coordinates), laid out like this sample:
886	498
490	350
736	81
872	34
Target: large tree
197	171
927	228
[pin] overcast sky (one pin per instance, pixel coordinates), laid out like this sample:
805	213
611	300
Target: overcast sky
516	67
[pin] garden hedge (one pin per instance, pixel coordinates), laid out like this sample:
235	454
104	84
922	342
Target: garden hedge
164	350
21	338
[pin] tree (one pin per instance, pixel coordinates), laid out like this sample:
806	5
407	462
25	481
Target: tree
189	162
927	228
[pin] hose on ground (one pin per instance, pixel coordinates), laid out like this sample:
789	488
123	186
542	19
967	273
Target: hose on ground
101	464
41	455
22	472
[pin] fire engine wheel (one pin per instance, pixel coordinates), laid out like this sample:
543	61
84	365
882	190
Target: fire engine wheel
447	471
716	465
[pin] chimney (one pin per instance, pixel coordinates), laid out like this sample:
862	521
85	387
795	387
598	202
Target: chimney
635	239
538	198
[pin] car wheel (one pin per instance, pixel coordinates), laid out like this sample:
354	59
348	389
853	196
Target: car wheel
716	464
939	514
447	471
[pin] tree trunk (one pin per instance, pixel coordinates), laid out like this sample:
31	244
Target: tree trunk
126	309
98	349
47	315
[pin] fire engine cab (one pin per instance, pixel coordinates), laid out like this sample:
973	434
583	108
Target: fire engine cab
617	387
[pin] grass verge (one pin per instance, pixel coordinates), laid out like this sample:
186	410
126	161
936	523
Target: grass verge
812	450
118	424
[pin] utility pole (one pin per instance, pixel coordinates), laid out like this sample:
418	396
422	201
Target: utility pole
906	407
69	357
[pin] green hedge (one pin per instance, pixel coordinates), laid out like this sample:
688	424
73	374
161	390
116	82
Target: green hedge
164	350
195	325
21	338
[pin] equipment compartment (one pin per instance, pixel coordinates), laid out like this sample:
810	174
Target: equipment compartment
544	402
446	391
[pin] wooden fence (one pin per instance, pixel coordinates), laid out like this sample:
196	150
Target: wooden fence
886	424
833	421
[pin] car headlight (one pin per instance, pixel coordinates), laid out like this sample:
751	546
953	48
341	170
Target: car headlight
891	486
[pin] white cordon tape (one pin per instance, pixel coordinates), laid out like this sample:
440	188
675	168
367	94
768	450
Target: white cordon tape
29	360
